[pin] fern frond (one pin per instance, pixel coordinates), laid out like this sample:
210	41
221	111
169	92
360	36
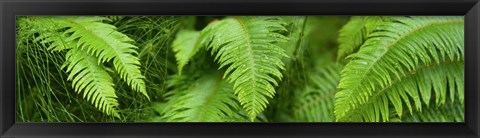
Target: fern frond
49	32
207	99
355	32
431	47
450	112
411	91
351	36
247	45
91	78
154	36
103	41
89	43
315	103
186	45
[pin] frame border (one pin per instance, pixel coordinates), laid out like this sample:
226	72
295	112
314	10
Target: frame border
470	9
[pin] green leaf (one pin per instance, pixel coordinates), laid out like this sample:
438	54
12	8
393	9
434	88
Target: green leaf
351	36
103	41
355	32
206	99
86	39
91	78
450	112
247	46
394	51
186	45
315	102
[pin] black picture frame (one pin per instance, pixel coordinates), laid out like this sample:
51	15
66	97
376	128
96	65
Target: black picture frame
470	9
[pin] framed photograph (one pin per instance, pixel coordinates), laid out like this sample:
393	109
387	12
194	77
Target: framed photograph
304	68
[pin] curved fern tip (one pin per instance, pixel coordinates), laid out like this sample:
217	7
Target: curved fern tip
148	97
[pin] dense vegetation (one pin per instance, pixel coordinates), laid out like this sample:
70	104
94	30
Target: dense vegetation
240	69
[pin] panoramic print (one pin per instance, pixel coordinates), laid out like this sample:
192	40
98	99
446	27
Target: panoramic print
240	69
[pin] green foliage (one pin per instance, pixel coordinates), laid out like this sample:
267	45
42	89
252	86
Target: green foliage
89	43
240	69
402	59
246	44
355	32
90	77
153	35
450	112
351	36
311	79
101	40
206	99
186	46
314	102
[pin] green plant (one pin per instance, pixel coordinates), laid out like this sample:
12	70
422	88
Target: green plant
89	43
208	98
240	69
401	59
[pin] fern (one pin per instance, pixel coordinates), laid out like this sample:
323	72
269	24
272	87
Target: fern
103	41
315	102
413	89
240	69
206	99
355	32
398	59
91	78
186	45
450	112
246	44
153	35
351	36
88	39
